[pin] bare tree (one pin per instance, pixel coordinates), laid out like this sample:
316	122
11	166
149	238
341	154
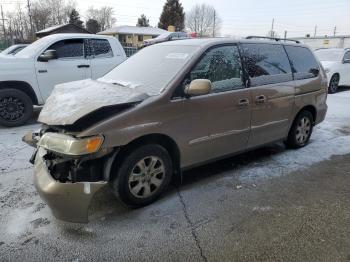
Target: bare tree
204	20
17	24
104	16
43	13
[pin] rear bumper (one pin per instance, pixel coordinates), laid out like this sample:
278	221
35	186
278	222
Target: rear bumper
68	201
321	114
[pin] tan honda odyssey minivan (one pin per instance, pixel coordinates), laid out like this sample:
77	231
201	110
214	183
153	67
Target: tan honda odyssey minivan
170	107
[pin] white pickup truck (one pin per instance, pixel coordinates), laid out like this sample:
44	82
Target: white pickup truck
27	78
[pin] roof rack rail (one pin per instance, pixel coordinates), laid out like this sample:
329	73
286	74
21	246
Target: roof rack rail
272	38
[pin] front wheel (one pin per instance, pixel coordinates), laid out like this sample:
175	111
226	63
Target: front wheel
16	107
143	175
333	84
301	130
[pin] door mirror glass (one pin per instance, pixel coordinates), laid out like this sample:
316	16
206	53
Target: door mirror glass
48	55
198	87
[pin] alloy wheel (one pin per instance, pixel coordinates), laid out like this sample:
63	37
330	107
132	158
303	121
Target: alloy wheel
146	177
11	108
334	83
303	130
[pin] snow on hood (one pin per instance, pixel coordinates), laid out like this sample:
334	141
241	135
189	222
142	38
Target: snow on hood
71	101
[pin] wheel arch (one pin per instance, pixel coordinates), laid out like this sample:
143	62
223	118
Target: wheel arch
163	140
21	86
311	109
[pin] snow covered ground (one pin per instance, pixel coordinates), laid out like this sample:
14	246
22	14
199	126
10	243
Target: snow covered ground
26	223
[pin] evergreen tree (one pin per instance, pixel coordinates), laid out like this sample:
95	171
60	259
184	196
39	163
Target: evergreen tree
142	21
74	18
173	14
93	26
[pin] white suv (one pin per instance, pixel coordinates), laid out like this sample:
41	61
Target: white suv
28	78
336	62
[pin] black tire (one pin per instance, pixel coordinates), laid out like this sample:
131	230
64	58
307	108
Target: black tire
16	107
333	84
296	137
132	193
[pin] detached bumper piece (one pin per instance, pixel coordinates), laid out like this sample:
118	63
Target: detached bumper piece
68	201
31	138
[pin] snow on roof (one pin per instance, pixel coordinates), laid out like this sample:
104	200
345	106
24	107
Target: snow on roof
54	28
134	30
51	28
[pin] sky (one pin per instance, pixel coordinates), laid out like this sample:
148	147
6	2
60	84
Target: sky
244	17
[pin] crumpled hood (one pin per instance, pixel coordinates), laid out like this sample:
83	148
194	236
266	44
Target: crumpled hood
71	101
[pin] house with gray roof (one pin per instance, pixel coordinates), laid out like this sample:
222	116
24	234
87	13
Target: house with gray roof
133	36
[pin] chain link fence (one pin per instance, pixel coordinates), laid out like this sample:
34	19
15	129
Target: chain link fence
3	45
129	49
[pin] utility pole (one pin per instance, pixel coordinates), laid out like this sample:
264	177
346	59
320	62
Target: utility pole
335	31
214	23
315	31
285	35
272	32
30	21
3	23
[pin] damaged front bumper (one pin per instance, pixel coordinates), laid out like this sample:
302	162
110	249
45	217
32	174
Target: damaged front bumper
68	201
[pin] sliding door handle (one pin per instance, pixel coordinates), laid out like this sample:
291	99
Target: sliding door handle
83	66
243	102
260	99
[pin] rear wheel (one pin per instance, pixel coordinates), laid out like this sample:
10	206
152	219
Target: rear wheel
143	175
301	130
333	84
16	107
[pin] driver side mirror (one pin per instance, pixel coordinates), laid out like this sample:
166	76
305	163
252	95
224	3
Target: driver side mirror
48	55
198	87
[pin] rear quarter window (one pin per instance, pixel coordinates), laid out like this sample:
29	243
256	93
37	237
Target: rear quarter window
303	62
101	48
266	64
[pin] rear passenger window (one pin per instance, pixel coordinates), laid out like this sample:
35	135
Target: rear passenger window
222	66
303	62
101	48
266	64
70	48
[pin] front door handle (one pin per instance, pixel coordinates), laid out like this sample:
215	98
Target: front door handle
260	99
243	102
83	66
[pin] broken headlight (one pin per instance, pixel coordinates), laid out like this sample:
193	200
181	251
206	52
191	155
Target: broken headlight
69	145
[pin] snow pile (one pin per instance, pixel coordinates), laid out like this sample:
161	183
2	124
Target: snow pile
330	138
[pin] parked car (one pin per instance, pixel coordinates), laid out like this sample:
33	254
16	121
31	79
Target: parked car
336	62
28	78
168	108
14	49
169	36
